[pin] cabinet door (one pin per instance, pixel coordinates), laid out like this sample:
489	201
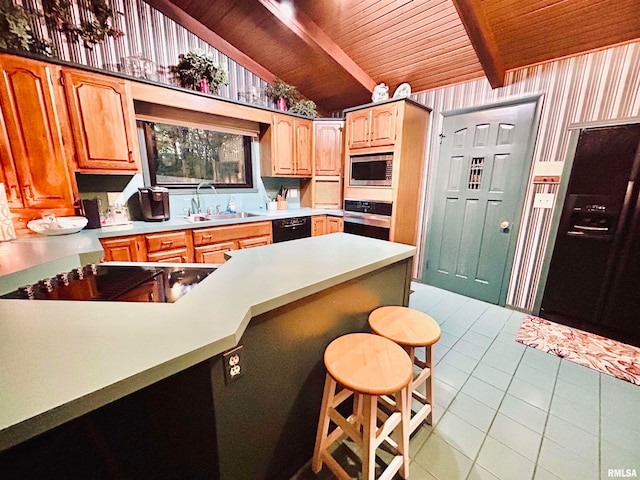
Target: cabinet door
101	113
318	225
359	125
283	145
254	242
123	249
335	224
8	174
383	125
304	152
213	253
35	131
181	255
327	147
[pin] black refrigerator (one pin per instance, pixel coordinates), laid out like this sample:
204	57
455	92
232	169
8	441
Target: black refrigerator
593	281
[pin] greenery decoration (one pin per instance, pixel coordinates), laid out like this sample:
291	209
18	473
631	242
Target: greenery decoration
92	31
305	107
195	66
15	29
279	89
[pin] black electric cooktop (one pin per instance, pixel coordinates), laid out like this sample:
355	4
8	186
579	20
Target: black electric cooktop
116	283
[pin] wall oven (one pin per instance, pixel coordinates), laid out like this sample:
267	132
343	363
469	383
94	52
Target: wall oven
368	218
370	170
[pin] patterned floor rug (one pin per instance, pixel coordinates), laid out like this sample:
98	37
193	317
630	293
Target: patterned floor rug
593	351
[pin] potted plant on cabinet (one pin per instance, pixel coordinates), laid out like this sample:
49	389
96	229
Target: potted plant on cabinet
282	93
306	108
199	71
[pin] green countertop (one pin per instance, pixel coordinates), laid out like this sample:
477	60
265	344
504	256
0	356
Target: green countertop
60	359
33	257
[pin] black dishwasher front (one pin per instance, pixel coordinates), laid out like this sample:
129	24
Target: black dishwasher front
291	229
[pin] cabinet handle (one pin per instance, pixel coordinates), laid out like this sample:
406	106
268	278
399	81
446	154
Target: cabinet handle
130	156
166	242
14	192
207	237
28	192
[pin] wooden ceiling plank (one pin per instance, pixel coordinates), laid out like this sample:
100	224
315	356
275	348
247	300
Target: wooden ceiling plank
482	39
312	35
364	32
194	26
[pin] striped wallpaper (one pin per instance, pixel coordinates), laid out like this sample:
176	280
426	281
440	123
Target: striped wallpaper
148	35
599	86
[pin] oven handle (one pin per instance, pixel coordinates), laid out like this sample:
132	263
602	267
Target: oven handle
368	219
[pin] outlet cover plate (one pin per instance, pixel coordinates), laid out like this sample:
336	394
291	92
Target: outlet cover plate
233	364
544	200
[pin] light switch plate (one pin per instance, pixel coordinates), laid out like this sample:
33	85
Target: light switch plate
544	200
293	193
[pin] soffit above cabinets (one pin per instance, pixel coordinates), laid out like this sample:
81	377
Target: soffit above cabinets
336	51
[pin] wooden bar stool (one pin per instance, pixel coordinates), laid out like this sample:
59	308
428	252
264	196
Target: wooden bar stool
411	329
365	366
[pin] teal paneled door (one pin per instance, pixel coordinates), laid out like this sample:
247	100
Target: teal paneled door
484	163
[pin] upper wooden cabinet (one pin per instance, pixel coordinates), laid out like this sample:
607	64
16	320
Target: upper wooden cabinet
286	147
103	122
34	159
327	147
372	127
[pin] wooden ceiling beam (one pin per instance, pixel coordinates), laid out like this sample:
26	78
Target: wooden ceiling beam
194	26
482	39
310	33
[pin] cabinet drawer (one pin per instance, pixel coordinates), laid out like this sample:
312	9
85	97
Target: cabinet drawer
213	253
206	236
180	255
254	242
166	241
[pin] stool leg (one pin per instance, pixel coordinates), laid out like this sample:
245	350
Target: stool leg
369	444
323	423
403	399
430	383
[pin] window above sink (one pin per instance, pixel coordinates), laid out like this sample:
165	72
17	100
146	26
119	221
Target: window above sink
183	156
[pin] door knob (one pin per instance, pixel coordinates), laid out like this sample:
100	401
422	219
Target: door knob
504	225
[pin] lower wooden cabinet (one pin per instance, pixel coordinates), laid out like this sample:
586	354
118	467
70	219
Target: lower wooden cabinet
202	245
210	244
335	224
124	249
325	224
318	225
170	247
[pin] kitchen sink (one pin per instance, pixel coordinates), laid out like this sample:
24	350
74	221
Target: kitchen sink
208	217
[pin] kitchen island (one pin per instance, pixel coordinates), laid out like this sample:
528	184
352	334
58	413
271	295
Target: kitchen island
159	367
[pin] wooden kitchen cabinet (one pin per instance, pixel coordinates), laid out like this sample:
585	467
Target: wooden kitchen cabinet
335	224
210	244
170	247
318	225
124	249
372	127
327	147
34	159
286	147
102	120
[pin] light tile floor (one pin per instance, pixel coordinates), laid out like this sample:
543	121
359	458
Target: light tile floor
506	411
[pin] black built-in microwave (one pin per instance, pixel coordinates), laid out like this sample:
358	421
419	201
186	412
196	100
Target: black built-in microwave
371	170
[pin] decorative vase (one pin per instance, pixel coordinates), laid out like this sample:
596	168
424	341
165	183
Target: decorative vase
204	86
282	104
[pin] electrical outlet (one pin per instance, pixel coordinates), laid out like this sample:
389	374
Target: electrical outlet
293	193
544	200
233	364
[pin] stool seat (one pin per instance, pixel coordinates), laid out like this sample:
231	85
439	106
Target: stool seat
405	326
368	364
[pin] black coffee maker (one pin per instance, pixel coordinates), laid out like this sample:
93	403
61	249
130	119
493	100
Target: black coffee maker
154	203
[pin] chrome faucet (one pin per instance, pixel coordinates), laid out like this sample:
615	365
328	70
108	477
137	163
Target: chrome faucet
195	202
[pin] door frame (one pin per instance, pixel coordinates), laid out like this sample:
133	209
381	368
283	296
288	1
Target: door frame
574	134
525	181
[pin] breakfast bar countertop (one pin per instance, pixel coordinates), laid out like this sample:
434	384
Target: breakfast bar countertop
62	359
